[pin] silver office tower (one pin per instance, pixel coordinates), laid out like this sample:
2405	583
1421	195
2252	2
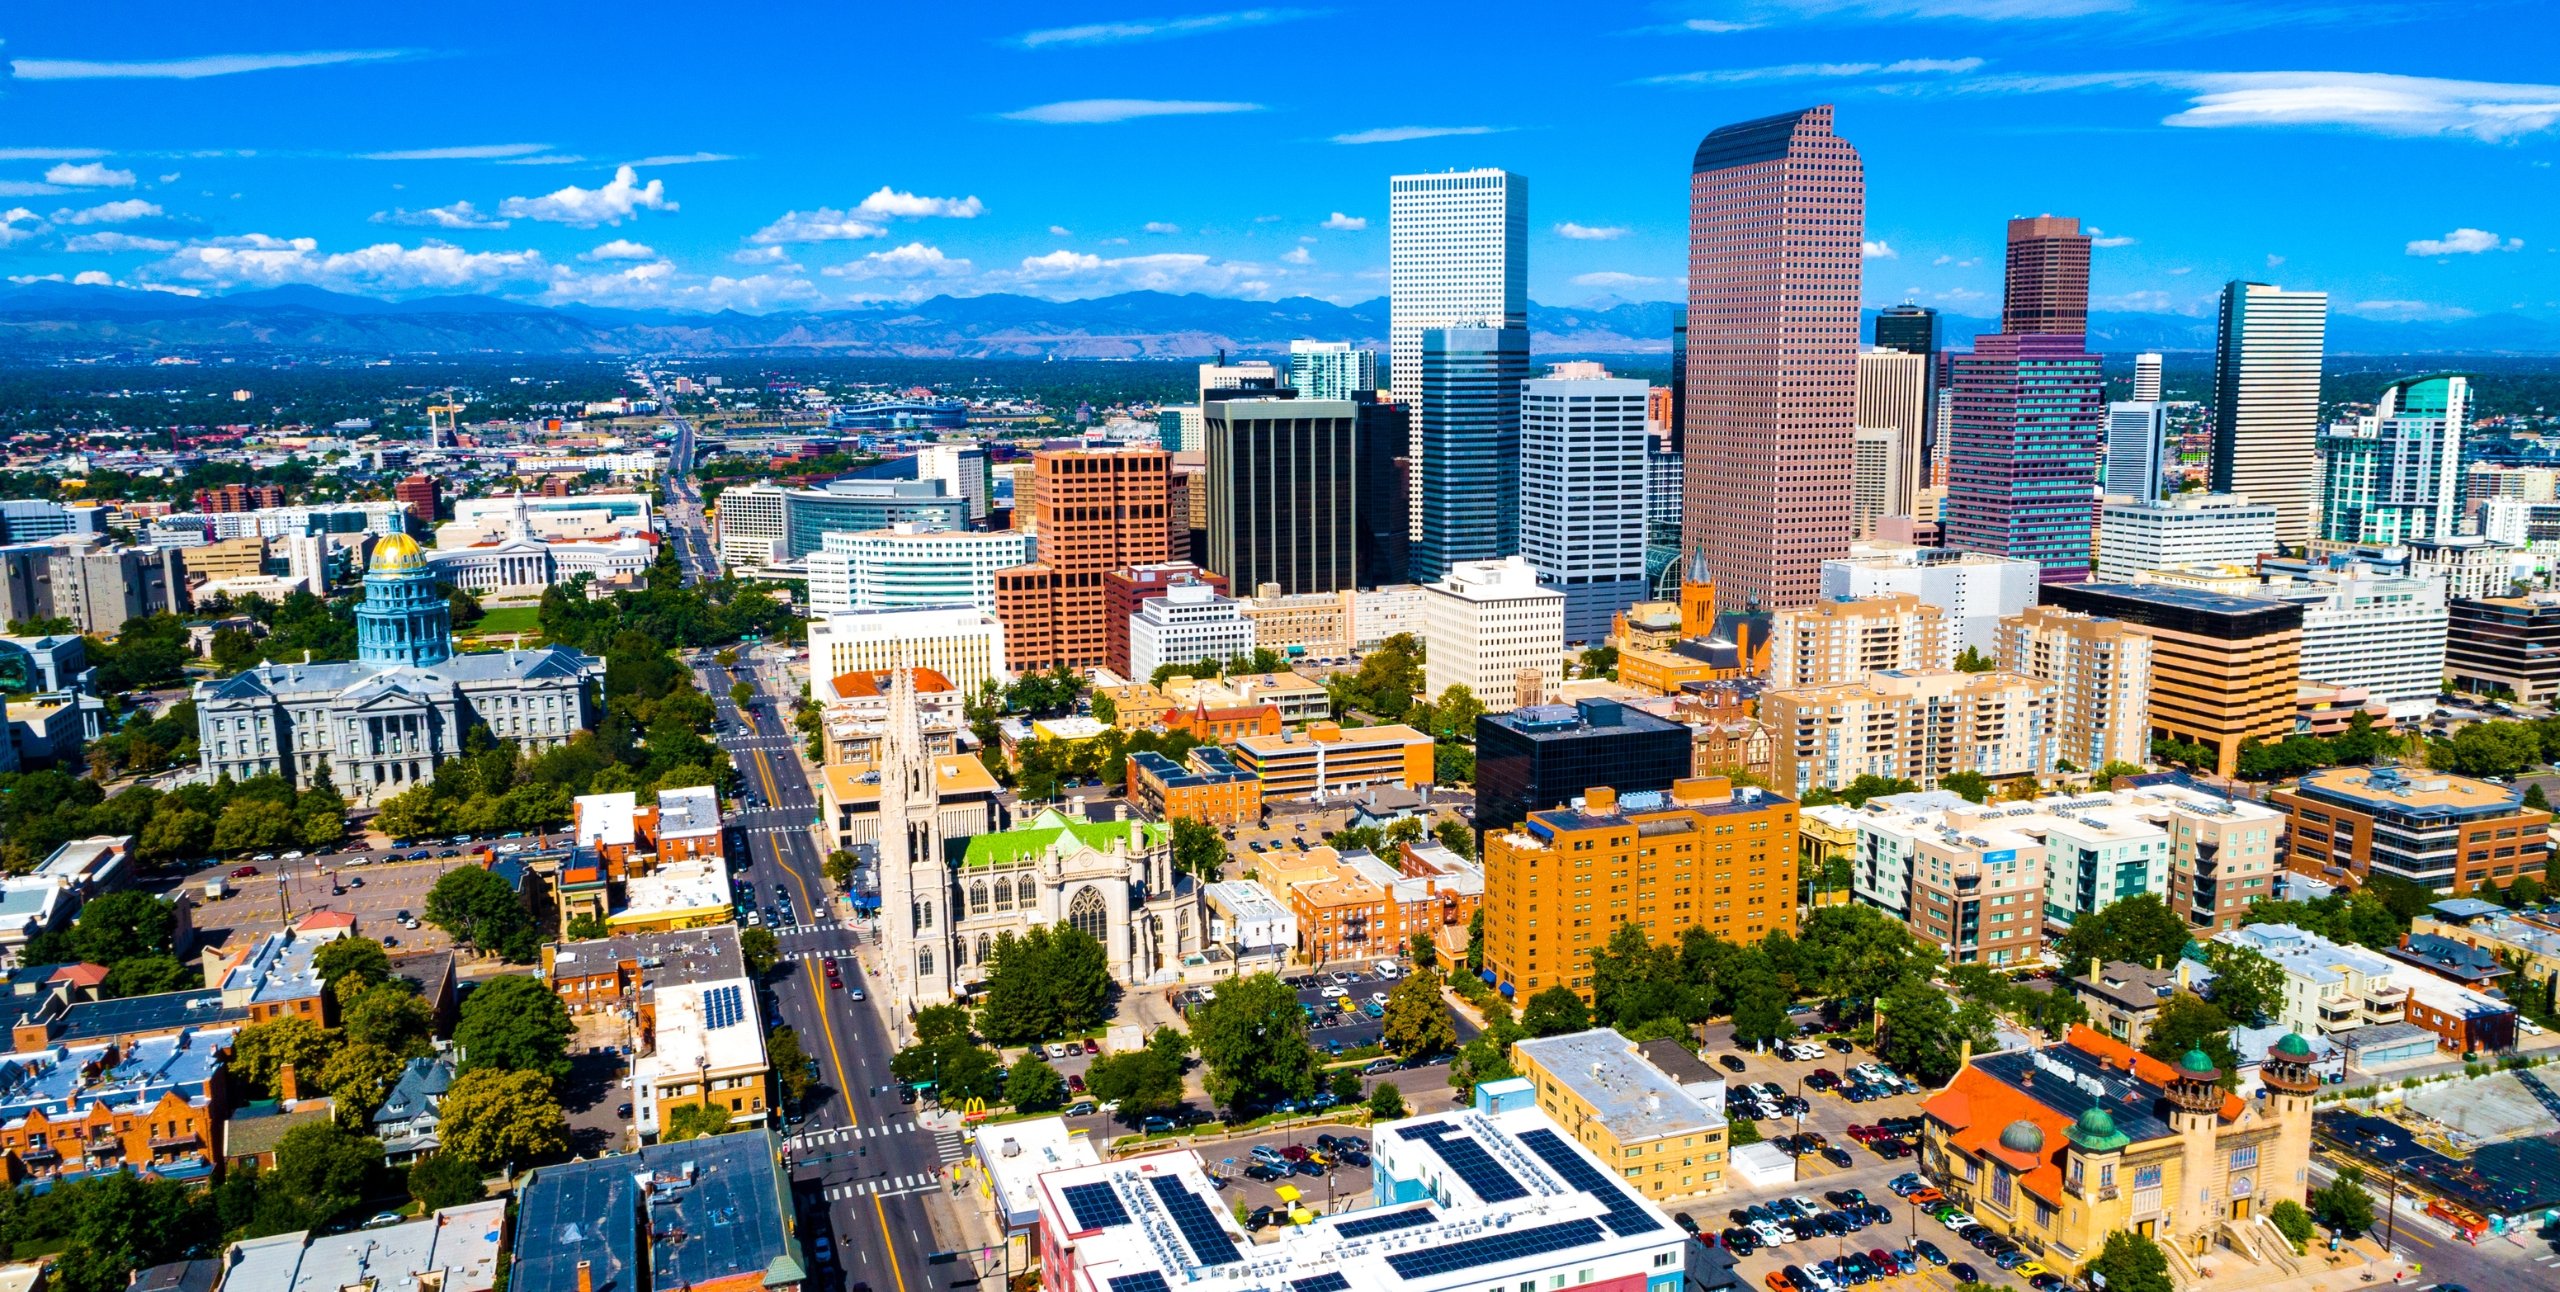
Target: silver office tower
2266	401
1457	257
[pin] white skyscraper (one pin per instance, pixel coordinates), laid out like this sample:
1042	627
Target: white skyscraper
2146	378
1582	491
2136	431
2266	401
1331	369
962	468
1893	396
1457	256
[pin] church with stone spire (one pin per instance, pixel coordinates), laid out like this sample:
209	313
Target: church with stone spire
381	722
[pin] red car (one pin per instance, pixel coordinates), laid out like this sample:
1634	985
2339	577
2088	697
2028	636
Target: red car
243	872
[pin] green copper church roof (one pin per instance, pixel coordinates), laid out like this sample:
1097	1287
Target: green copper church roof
1024	842
2096	1131
2197	1062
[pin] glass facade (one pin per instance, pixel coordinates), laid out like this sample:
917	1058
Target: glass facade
1470	486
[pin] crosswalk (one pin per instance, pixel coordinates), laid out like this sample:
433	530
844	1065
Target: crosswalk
806	1140
949	1147
792	930
887	1186
774	829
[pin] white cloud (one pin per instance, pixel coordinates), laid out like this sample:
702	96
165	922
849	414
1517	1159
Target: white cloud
2464	242
1877	249
1161	226
635	285
1715	26
826	224
1967	263
112	241
683	159
88	175
544	159
1817	71
2274	261
767	255
188	69
660	283
620	249
1348	223
1086	112
17	224
1591	233
2099	238
262	260
2378	102
28	188
2183	269
585	208
1977	10
1111	33
1298	256
889	202
1612	278
1402	134
50	154
914	260
1059	231
463	152
123	211
460	215
2404	310
1074	273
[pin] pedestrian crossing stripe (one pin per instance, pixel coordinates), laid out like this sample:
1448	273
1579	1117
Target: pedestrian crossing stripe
947	1143
887	1184
848	1134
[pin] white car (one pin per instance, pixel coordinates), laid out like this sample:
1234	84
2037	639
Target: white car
1957	1221
1378	996
295	855
1770	1235
1386	969
1335	991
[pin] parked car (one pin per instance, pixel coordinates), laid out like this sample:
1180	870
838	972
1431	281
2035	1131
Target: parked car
243	872
1730	1062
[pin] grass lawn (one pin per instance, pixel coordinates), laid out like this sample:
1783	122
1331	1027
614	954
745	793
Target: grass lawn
509	619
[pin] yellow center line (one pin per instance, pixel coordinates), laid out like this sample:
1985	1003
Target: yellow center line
844	1083
880	1211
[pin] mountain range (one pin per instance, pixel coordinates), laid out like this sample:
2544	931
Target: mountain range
50	319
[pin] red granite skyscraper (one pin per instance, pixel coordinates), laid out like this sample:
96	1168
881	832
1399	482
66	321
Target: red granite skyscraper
1777	208
2047	291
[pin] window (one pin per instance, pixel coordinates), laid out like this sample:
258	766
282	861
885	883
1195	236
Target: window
2147	1178
2000	1187
1086	914
2244	1158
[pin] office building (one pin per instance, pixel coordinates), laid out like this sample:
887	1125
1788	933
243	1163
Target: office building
1777	211
904	567
1876	466
99	587
419	491
1099	510
1844	641
1662	490
1457	256
962	643
961	467
1123	590
1546	755
1309	625
1913	329
1920	725
1678	440
2378	633
1388	610
1246	380
2472	566
2047	283
1582	492
605	1224
1892	421
750	525
2060	1146
1331	370
1713	856
2223	668
2266	401
1654	1112
2445	833
1467	433
2146	378
1973	592
1189	624
1383	507
1283	480
858	506
1207	786
2102	671
2136	440
2394	475
2138	537
1492	628
705	1048
2028	424
1328	760
2504	645
2332	990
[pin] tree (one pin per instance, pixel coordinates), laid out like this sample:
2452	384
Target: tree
761	950
740	693
392	1017
1741	1131
2495	749
587	926
1417	1022
1759	1001
2342	1204
2140	929
1554	1012
1198	849
1974	661
250	824
475	906
1475	941
1922	1032
2190	1022
790	1063
2247	986
1344	1086
359	1077
1386	1103
349	965
149	976
1253	1039
2292	1221
441	1180
261	1050
1972	785
1454	835
1143	1081
840	867
116	927
693	1121
513	1021
503	1117
1048	981
2534	797
1105	709
1480	1060
1423	949
323	1170
953	1067
1035	1087
2130	1263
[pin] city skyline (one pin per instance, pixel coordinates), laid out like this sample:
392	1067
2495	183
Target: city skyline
340	150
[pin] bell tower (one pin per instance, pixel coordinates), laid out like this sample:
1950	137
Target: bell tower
2291	1084
915	885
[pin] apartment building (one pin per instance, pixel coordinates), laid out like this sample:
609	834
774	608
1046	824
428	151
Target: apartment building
706	1048
1123	591
964	645
1355	905
1917	724
1972	590
1652	1113
2445	833
1834	641
1491	627
2223	668
2328	988
1208	787
1096	510
1715	856
147	1107
2101	669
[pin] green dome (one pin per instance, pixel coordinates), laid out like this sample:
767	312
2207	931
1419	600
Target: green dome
2198	1063
2022	1136
2294	1047
2096	1131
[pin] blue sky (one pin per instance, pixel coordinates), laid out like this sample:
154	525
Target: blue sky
2398	155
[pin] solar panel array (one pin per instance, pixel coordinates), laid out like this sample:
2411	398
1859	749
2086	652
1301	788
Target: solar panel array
1210	1244
1329	1281
1493	1249
1473	1165
724	1007
1386	1224
1142	1281
1095	1206
1422	1130
1626	1216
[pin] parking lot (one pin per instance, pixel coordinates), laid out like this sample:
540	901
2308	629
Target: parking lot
362	884
1340	1185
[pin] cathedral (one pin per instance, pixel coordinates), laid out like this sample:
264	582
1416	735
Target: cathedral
381	722
945	902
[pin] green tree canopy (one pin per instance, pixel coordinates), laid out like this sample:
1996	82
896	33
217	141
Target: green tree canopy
261	1050
475	906
1035	1087
508	1117
2140	929
1253	1040
444	1179
1418	1023
2247	986
514	1021
2131	1263
323	1170
1046	982
1555	1012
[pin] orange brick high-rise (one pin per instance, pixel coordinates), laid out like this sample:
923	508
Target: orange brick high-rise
1098	510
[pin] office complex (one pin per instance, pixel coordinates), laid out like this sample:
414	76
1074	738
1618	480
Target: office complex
1712	855
963	644
1189	624
1098	510
1331	370
1893	419
1678	440
962	469
2188	529
904	567
2146	378
1328	760
2101	669
2266	401
1844	641
2136	438
1284	495
2028	420
1582	492
2394	475
1492	628
1124	590
762	524
1457	256
1919	725
2444	833
1546	755
2223	668
2047	283
1467	477
1777	209
1385	437
2383	634
2505	644
1913	329
1973	591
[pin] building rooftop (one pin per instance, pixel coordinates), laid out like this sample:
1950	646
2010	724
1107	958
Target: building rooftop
954	775
1582	720
2018	1106
1029	840
1627	1095
690	885
2128	986
66	1078
1015	1155
1294	744
257	1128
136	1015
688	813
276	969
2305	954
2407	792
455	1250
707	954
714	1209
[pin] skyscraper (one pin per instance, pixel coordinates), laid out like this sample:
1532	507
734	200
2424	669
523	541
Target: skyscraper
1385	429
1283	493
2048	278
1457	256
2022	479
1582	492
1893	398
1098	510
1469	436
1777	209
2146	378
1913	329
2266	400
2391	477
2136	431
1679	379
1331	369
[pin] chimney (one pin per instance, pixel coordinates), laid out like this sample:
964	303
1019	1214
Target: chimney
286	1089
586	1277
2093	966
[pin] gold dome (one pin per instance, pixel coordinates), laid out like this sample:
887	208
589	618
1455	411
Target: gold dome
397	554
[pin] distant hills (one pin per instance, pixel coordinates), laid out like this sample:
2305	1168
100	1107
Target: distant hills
46	319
